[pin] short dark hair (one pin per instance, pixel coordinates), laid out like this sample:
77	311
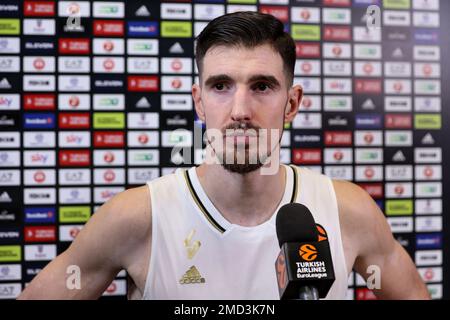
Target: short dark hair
248	29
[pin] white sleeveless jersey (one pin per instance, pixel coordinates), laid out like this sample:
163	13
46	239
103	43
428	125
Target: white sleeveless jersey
197	254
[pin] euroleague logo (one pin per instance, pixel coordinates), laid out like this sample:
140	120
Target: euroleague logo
308	252
322	234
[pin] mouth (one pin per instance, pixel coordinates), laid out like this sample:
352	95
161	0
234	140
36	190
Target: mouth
240	133
240	136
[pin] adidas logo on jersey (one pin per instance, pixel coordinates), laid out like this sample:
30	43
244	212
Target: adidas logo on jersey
192	276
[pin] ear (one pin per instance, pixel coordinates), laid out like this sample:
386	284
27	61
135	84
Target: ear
196	96
295	98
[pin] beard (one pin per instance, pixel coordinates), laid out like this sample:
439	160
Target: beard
242	168
243	159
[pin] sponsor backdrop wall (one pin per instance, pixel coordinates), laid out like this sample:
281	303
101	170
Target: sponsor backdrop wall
87	110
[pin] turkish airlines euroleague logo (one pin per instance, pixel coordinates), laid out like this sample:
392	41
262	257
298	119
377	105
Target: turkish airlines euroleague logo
308	252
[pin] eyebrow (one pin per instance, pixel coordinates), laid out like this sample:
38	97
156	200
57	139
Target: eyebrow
257	77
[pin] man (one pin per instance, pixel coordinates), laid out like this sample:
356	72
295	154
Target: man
208	232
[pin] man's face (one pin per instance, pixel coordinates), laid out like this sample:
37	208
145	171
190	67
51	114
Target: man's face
244	90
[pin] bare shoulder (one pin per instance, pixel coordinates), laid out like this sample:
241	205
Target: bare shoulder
132	206
133	233
118	226
113	239
129	215
354	203
350	200
369	242
362	221
357	210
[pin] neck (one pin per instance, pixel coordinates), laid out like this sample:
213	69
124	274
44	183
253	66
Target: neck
244	199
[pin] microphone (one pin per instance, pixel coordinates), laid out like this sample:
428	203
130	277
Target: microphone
304	266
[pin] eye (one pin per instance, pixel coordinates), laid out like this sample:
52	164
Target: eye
220	86
262	87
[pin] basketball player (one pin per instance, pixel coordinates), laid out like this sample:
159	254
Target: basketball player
208	232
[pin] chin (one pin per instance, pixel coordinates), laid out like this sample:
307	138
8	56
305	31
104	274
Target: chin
242	168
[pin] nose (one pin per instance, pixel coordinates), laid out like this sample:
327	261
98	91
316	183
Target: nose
241	110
